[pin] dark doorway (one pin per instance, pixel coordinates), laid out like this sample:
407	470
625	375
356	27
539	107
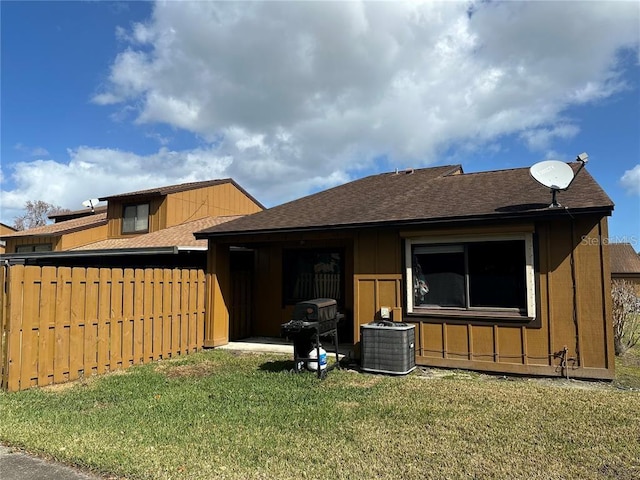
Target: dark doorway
241	308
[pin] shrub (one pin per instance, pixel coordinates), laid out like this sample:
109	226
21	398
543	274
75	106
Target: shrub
626	316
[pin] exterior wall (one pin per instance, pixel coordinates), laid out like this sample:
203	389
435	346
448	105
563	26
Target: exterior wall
218	299
569	336
13	243
176	208
4	230
216	200
83	237
507	346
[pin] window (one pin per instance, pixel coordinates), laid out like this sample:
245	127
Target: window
41	247
135	218
311	274
471	274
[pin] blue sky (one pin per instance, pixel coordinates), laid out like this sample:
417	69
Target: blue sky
289	98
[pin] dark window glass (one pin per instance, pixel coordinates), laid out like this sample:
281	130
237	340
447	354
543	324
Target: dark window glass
311	274
471	275
497	274
135	218
439	279
42	247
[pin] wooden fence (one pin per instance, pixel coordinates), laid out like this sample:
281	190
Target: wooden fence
58	324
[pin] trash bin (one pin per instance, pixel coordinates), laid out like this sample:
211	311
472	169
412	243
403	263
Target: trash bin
387	347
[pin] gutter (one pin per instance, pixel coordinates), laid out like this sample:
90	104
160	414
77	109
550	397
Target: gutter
19	258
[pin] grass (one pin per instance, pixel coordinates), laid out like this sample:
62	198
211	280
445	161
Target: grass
217	414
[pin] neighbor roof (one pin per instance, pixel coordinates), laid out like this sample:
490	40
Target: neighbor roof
422	196
180	236
60	228
624	258
182	187
69	215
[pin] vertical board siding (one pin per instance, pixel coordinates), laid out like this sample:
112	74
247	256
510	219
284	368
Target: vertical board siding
61	324
569	255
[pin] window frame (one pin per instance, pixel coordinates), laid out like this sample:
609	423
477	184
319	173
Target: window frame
34	247
457	241
135	218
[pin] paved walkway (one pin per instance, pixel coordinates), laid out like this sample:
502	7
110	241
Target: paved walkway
15	465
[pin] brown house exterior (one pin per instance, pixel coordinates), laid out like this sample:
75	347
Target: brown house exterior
625	264
492	277
154	221
4	229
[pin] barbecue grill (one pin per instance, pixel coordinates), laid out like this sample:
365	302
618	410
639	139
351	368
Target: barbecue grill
312	320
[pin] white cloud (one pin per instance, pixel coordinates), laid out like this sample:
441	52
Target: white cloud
97	172
288	97
32	151
357	80
631	180
541	138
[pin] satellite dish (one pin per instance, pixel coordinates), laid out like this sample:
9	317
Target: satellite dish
91	203
554	174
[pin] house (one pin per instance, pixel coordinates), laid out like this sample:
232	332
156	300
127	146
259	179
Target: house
492	277
4	229
102	290
58	236
625	264
152	227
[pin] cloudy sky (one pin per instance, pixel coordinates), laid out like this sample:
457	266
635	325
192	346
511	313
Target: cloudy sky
289	98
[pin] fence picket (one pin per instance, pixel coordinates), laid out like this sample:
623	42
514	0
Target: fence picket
158	316
138	320
46	329
104	320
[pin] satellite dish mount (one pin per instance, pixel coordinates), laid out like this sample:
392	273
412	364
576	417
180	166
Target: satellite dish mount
91	203
556	175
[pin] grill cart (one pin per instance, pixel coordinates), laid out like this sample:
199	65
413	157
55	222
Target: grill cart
312	320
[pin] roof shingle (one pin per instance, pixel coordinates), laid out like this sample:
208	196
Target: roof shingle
624	258
176	236
60	228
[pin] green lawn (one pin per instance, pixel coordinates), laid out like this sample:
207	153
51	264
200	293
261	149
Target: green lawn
222	415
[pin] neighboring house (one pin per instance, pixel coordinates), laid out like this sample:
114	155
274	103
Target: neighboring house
625	264
144	228
492	277
59	236
3	230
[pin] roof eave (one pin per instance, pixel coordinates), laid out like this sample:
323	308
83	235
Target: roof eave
537	215
16	257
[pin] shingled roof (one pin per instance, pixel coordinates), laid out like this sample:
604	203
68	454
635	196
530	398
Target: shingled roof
624	258
180	236
71	214
60	228
422	196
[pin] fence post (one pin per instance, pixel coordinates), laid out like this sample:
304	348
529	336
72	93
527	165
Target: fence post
4	315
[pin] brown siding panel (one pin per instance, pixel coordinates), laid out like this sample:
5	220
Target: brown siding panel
536	348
